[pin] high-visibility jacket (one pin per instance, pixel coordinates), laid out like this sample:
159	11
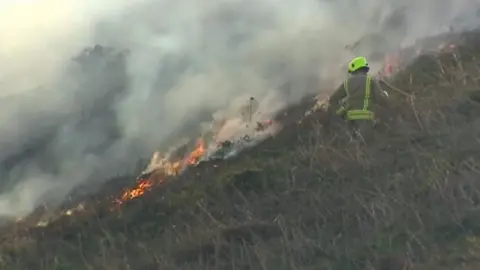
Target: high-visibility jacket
357	97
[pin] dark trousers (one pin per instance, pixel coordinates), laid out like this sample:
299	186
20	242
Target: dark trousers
362	131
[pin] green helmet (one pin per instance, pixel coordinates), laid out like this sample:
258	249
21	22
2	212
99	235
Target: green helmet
357	63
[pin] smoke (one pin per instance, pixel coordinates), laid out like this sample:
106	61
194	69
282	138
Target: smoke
64	124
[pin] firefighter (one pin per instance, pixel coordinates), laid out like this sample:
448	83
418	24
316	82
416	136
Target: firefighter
357	100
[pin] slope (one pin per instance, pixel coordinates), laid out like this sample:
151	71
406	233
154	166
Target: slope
304	200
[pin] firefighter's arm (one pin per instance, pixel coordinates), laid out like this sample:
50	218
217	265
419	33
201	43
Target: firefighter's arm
337	96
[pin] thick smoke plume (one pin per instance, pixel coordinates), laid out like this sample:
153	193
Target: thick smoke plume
64	123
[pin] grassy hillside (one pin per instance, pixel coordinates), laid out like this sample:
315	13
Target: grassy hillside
304	200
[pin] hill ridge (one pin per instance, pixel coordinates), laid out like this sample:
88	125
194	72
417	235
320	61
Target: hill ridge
302	199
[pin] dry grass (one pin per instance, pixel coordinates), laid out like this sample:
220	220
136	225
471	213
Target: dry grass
304	200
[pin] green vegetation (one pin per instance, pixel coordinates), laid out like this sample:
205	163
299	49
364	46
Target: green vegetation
303	200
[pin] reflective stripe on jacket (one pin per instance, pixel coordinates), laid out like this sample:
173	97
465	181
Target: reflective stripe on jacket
361	113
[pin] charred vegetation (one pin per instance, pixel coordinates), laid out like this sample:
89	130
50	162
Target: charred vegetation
303	199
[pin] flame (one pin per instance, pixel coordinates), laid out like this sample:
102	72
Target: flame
156	173
172	168
139	190
388	70
391	64
197	153
165	168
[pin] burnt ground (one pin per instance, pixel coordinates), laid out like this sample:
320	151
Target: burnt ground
304	199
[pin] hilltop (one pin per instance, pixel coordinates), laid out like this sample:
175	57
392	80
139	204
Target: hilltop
302	199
